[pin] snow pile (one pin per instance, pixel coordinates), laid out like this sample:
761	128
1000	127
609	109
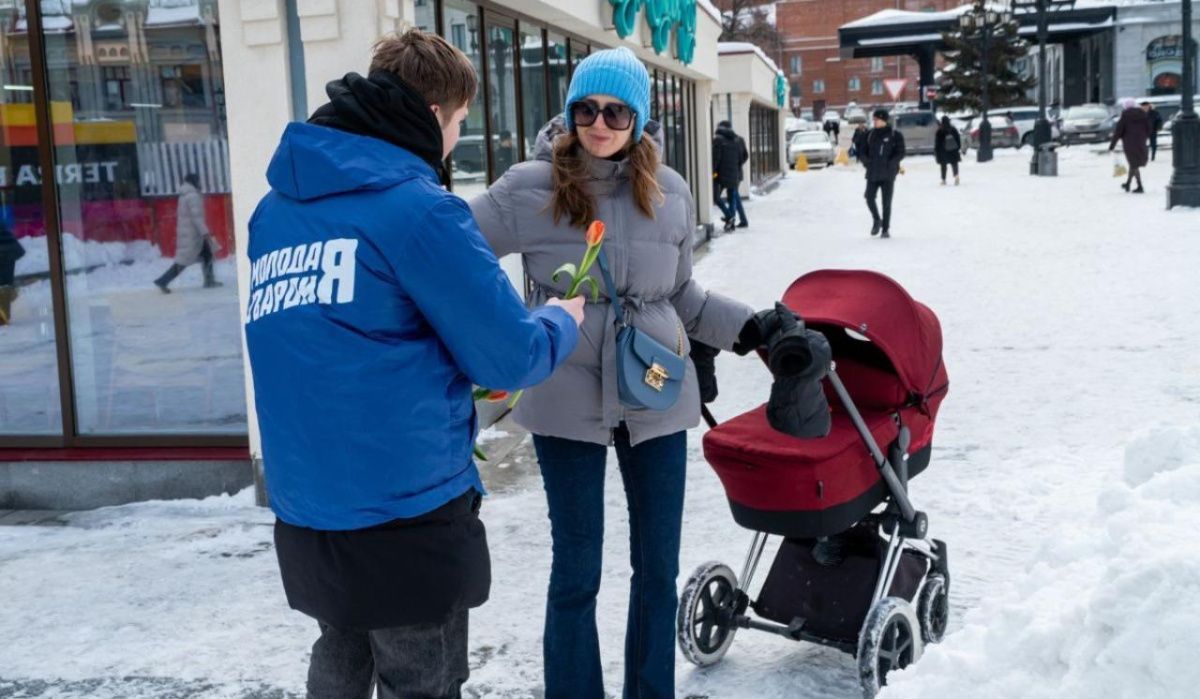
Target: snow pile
85	254
1111	607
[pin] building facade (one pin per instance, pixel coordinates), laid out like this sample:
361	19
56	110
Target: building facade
819	78
752	94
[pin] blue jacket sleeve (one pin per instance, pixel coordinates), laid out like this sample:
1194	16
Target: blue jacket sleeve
449	271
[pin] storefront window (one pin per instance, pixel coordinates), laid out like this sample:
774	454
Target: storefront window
579	51
468	162
533	87
425	15
503	85
142	175
29	390
556	64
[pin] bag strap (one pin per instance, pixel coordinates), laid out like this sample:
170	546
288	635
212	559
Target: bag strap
613	298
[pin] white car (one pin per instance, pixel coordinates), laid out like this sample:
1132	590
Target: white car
1024	119
815	145
830	115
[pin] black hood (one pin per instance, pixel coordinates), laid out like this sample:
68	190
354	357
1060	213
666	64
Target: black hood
383	106
724	132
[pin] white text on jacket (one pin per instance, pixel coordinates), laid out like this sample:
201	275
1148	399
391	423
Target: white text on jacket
320	272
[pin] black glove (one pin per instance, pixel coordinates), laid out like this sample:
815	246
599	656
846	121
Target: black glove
795	351
704	357
758	330
798	408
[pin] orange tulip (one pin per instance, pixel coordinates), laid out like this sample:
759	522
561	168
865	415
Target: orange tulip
595	233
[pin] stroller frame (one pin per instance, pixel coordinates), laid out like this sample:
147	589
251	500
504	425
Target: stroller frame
905	528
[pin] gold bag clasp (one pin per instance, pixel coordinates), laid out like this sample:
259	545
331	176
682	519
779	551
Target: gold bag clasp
656	376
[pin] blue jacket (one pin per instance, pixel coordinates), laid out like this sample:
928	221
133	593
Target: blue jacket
375	304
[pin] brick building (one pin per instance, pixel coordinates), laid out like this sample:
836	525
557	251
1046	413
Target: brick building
818	76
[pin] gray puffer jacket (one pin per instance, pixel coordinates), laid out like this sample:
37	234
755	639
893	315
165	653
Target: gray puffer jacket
651	260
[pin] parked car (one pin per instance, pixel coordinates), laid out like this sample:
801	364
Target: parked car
830	115
1024	118
918	128
793	125
815	145
856	115
1088	123
1004	132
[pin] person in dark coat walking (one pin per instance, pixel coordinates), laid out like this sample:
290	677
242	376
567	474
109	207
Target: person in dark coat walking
858	143
11	250
729	155
833	129
1156	124
881	153
375	304
1133	131
947	148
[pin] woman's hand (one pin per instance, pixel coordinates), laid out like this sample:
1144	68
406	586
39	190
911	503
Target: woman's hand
572	306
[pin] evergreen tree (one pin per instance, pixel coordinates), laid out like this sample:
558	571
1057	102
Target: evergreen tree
960	85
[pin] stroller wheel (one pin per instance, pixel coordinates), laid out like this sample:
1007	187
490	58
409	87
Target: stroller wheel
933	608
704	626
890	640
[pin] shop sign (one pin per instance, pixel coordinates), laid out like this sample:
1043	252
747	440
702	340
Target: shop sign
662	16
780	90
1164	62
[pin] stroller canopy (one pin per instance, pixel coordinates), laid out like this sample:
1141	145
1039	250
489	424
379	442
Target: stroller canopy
878	308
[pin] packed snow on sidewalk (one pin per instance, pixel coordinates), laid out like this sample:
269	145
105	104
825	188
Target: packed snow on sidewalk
1065	477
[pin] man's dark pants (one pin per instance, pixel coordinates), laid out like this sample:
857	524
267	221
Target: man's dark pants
886	187
1153	143
422	661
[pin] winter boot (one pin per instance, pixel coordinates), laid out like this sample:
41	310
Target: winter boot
744	224
885	234
167	277
943	183
956	180
876	227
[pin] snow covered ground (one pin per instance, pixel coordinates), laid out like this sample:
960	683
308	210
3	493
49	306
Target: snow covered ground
1065	477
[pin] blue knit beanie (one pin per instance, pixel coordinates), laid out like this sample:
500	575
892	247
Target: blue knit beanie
616	73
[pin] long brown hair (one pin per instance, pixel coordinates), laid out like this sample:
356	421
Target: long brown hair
571	196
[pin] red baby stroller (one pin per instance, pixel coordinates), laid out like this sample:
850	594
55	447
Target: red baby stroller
850	574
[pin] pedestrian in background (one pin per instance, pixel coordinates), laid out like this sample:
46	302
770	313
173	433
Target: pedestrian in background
858	143
193	242
833	129
11	250
947	148
1133	131
1156	124
729	155
882	151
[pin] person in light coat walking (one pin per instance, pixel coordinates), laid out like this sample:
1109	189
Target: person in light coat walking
193	242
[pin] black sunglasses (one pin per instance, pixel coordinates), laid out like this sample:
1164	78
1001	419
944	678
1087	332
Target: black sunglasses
617	117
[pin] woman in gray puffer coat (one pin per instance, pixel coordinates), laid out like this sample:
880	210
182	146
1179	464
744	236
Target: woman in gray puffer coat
600	162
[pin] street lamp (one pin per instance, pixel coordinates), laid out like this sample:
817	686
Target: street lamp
1184	189
1042	132
983	21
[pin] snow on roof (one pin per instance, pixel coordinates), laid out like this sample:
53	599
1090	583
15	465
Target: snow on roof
732	47
710	8
186	14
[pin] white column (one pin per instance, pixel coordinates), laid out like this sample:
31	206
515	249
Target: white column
703	136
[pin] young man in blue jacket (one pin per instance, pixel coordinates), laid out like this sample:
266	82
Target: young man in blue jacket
375	305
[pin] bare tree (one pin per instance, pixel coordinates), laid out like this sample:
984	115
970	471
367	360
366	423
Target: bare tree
750	21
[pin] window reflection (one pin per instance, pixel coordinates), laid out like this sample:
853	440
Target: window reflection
141	168
469	160
533	87
503	85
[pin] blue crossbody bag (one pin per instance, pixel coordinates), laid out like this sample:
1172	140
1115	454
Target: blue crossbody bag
649	374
